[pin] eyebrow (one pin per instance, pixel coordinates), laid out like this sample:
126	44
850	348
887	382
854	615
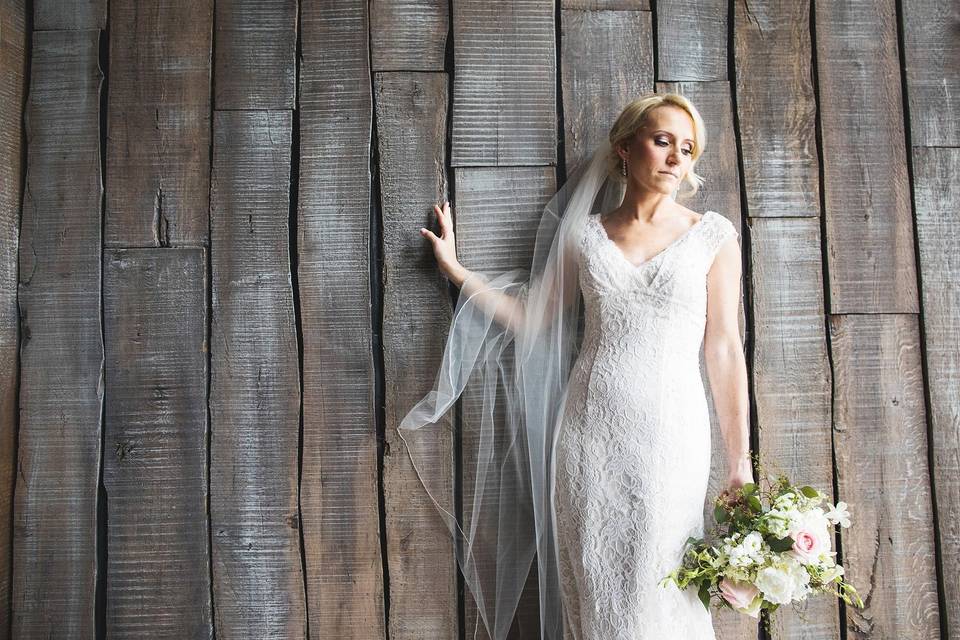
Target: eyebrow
671	135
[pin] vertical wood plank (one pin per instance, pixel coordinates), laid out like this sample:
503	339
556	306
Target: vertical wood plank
158	123
607	61
409	35
256	47
932	54
411	125
866	188
254	383
937	198
339	477
881	452
51	15
155	457
497	214
13	68
776	108
61	354
504	93
703	25
792	380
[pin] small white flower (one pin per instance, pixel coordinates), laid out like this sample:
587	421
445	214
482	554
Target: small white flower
839	514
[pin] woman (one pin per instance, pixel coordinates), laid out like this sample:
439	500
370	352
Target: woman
607	440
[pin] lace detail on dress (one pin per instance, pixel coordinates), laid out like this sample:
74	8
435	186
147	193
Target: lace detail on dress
633	452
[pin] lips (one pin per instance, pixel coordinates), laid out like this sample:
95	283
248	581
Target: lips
669	174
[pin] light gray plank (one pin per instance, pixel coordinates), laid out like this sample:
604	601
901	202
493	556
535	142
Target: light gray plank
411	126
881	456
155	458
255	383
932	55
49	15
61	354
866	188
607	5
409	35
691	40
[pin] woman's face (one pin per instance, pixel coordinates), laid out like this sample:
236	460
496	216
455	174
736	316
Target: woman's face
661	152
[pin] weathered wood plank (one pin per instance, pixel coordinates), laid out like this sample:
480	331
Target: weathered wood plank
703	25
866	187
256	47
792	380
155	458
932	55
937	198
776	108
13	59
56	14
606	5
497	214
158	123
254	383
61	355
411	126
881	453
504	86
409	35
339	477
607	61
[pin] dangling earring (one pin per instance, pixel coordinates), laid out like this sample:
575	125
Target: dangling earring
623	167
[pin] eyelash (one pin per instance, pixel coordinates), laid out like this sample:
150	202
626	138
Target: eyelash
686	151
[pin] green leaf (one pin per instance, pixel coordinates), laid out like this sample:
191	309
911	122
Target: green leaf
779	545
720	514
749	489
809	492
754	503
704	594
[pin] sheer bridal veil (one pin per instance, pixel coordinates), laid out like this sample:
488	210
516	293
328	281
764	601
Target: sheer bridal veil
511	344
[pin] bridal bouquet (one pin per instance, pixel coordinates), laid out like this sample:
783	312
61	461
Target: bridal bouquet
770	547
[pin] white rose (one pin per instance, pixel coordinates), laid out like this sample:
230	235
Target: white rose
776	584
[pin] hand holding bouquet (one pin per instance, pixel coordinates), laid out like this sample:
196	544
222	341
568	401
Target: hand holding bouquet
770	548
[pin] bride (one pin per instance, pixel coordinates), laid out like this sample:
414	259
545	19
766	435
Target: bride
593	454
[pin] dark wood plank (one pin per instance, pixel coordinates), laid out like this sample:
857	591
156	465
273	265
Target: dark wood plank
61	353
937	198
339	477
691	40
504	86
776	108
158	123
56	14
497	214
881	456
13	60
409	35
254	382
792	380
411	126
155	457
866	187
607	61
932	55
256	46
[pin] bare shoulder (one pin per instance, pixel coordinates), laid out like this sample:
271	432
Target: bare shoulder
691	216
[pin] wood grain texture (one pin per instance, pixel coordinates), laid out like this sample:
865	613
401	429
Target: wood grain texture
881	456
504	85
409	35
607	5
339	476
155	445
256	46
158	123
866	188
776	108
932	54
606	61
76	14
497	214
936	174
255	383
411	125
61	353
13	63
792	381
691	40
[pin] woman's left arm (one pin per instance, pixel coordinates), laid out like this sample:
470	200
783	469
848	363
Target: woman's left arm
726	365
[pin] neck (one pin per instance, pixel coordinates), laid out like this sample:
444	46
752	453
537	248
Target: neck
644	206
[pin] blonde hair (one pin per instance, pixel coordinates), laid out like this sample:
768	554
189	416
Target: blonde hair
633	118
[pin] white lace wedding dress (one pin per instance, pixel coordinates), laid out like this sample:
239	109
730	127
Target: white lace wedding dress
633	451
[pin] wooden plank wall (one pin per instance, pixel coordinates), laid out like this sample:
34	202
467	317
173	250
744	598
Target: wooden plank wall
223	306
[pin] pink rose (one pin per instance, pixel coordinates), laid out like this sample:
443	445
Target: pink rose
807	545
738	594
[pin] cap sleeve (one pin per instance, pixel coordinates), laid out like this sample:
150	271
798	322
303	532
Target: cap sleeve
716	232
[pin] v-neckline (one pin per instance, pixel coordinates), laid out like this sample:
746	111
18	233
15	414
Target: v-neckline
676	241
